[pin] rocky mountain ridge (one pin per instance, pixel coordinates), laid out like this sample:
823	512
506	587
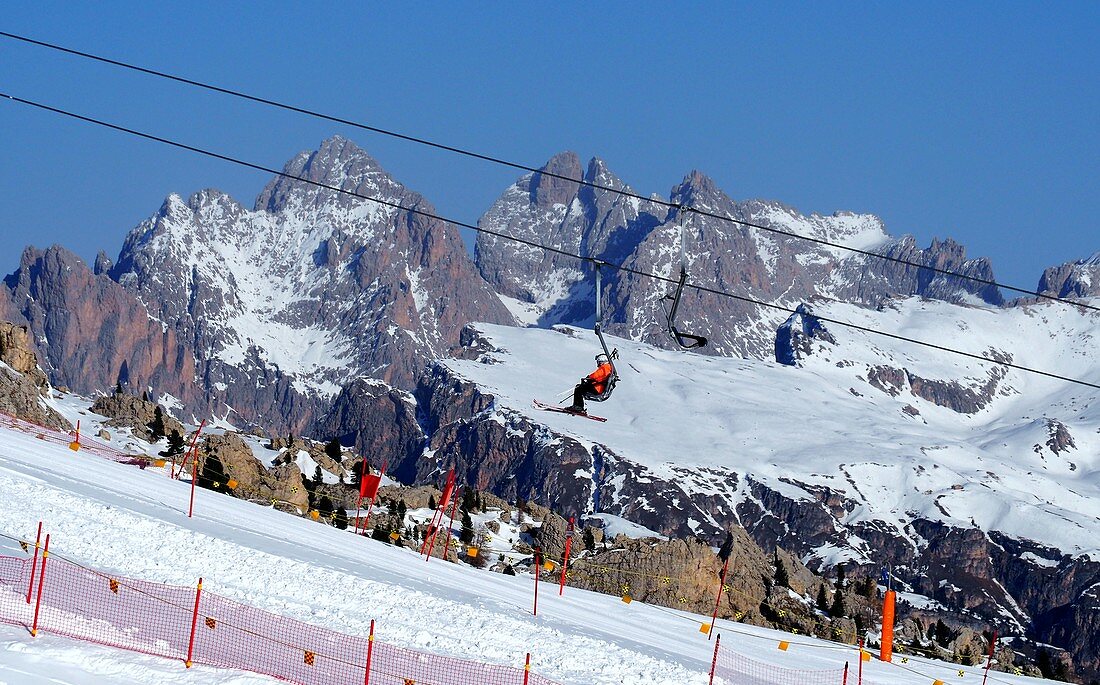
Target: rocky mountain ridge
319	313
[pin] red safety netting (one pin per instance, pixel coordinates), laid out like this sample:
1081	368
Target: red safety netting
158	619
731	667
87	443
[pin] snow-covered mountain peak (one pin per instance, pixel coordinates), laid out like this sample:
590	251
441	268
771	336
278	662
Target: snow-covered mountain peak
337	163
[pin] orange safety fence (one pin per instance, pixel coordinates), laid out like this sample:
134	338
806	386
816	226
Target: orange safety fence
730	668
87	443
160	620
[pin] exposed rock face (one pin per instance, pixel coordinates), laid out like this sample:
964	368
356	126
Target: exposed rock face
131	412
566	216
268	311
23	384
964	398
380	422
794	338
1073	279
497	451
90	333
733	257
280	485
1060	439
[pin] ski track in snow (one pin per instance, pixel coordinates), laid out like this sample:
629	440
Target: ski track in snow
120	519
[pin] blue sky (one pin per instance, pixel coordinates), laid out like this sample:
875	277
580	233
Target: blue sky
979	121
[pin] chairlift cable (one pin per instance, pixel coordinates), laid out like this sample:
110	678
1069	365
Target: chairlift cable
505	236
524	167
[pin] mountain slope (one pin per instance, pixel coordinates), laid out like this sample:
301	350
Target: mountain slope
748	261
979	485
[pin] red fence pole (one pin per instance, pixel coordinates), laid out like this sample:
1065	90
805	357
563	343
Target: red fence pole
527	669
714	660
190	450
845	681
992	646
538	567
860	681
370	651
718	599
41	582
194	622
565	561
447	541
34	563
362	475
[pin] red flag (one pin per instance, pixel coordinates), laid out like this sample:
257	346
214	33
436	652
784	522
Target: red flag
369	487
448	489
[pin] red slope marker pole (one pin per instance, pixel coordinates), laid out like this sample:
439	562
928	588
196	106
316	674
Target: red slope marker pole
370	651
194	622
41	582
718	600
34	562
845	681
527	669
714	659
992	646
565	561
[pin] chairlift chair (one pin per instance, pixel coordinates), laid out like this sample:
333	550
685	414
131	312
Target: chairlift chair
688	341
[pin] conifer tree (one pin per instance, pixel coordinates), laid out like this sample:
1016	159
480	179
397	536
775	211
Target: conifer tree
840	576
332	449
781	576
838	610
156	428
144	395
589	539
341	519
432	504
467	534
822	599
175	444
212	474
324	505
317	477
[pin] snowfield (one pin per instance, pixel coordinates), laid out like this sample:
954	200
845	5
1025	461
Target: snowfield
696	420
133	523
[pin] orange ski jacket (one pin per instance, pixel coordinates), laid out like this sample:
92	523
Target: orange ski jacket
599	378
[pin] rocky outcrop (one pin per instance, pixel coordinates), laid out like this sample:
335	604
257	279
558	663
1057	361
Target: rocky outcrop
127	411
379	422
793	340
23	385
963	397
1073	279
92	334
280	486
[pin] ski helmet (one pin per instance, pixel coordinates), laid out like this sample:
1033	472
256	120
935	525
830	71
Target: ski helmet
601	358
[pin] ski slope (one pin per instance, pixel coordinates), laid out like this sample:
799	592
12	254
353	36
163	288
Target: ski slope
132	522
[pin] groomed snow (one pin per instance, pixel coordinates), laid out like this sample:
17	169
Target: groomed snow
133	522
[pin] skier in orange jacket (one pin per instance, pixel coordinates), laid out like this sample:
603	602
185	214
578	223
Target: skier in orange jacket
592	384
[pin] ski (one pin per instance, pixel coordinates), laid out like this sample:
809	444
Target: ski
565	410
